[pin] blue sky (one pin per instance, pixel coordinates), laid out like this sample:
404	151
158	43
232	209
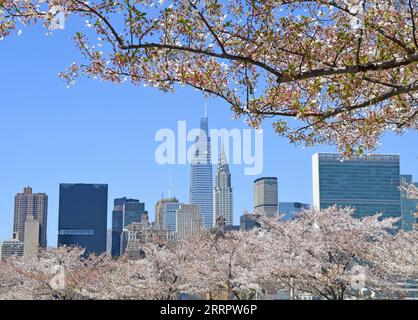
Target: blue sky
98	132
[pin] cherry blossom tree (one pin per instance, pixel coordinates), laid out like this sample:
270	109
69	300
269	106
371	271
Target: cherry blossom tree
121	279
331	254
158	275
227	265
327	71
10	283
411	190
167	265
58	274
326	253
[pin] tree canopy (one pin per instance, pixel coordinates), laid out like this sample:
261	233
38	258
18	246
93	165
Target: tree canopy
324	253
326	71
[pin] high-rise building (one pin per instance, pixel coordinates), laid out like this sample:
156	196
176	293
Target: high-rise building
266	196
125	212
165	214
31	242
11	248
223	205
290	210
117	226
189	221
132	211
35	204
409	206
139	233
368	183
83	216
201	180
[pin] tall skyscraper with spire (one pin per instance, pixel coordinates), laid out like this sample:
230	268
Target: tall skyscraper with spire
201	183
223	204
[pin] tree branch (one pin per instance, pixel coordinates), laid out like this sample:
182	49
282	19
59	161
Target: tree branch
371	66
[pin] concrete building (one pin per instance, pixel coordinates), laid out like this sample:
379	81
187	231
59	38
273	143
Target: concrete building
189	221
31	242
10	248
137	234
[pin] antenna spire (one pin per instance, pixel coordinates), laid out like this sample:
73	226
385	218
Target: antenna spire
206	110
169	185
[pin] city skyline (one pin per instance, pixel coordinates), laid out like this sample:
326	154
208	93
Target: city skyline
135	209
236	221
104	133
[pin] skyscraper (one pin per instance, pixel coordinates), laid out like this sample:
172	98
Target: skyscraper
35	204
125	212
132	211
139	233
201	180
165	214
409	206
117	225
266	196
223	204
31	242
290	210
189	221
369	183
83	216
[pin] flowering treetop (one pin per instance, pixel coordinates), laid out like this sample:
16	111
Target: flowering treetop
327	71
326	253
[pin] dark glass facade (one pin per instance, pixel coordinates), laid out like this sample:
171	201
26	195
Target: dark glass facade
201	180
125	212
409	206
369	183
249	221
83	216
291	210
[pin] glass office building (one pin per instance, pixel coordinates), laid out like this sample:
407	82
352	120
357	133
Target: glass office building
290	210
409	206
169	210
201	180
125	212
165	214
248	221
132	211
82	217
369	183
